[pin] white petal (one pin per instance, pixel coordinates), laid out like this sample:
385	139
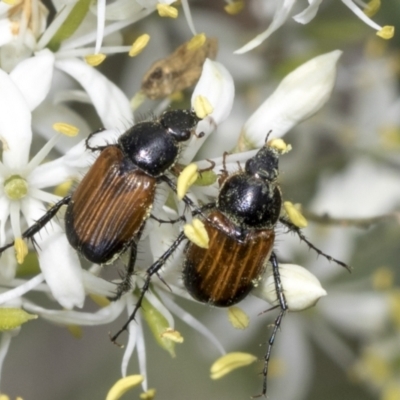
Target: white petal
58	260
300	287
33	77
309	13
300	95
79	157
51	174
60	265
281	15
5	31
111	104
357	314
15	124
357	191
104	316
216	85
4	346
95	285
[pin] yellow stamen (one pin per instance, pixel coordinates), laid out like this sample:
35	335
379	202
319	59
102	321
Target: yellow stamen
186	179
280	145
177	96
75	330
196	41
100	300
173	335
383	278
63	188
137	100
295	215
234	8
372	8
21	250
164	10
394	301
95	59
123	385
149	395
227	363
197	234
238	318
139	44
391	392
66	129
11	318
202	107
387	32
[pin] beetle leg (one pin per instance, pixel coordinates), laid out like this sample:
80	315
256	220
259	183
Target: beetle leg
284	307
97	148
152	270
125	285
41	222
300	234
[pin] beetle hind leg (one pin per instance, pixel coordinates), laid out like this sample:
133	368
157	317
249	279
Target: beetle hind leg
152	270
278	320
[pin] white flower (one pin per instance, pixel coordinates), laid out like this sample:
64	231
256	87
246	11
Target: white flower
301	288
284	8
300	95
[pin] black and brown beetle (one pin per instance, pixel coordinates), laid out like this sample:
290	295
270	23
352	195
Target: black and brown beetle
241	230
107	211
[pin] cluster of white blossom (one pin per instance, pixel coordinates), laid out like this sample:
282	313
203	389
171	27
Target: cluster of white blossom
49	59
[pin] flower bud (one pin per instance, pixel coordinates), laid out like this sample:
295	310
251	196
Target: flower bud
300	95
300	287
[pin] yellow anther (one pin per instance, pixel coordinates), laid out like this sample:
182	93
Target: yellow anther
66	129
238	318
280	145
4	396
202	107
95	59
391	391
173	335
227	363
21	250
63	188
186	179
11	3
394	302
383	278
234	8
177	96
100	300
196	41
11	318
137	100
123	385
164	10
387	32
197	233
139	44
148	395
75	330
294	214
372	8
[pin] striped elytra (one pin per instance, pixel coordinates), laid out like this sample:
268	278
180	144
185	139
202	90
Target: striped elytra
109	206
226	272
